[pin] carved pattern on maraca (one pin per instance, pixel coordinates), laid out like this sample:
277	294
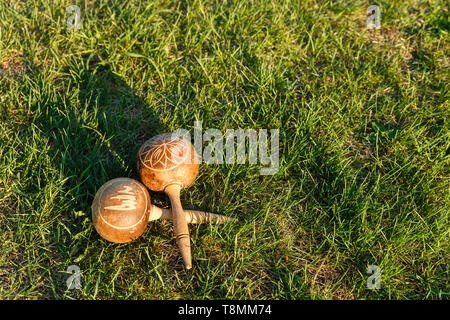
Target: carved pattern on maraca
128	189
127	200
164	153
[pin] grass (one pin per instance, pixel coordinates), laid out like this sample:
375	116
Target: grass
364	146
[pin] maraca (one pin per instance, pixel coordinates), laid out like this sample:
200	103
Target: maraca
169	163
122	209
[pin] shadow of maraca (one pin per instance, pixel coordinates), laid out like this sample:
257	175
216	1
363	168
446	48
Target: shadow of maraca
95	129
96	137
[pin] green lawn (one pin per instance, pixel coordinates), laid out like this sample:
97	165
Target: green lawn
363	117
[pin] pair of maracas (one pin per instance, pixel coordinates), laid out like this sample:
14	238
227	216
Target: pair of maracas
122	209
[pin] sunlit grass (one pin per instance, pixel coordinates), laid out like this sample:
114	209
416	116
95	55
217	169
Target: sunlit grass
364	146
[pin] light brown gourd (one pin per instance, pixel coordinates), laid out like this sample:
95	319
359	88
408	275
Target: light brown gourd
122	209
169	163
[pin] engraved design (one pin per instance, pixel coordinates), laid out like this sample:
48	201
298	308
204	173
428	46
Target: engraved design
122	180
164	152
128	200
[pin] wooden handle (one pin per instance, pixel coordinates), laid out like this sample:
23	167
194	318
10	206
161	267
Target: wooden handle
180	225
192	216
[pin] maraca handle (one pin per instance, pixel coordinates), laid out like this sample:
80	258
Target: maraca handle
192	216
180	225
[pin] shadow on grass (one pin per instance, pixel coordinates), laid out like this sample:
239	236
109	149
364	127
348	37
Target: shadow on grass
94	128
96	137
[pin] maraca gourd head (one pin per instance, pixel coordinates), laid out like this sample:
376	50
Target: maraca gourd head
167	159
168	162
120	210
